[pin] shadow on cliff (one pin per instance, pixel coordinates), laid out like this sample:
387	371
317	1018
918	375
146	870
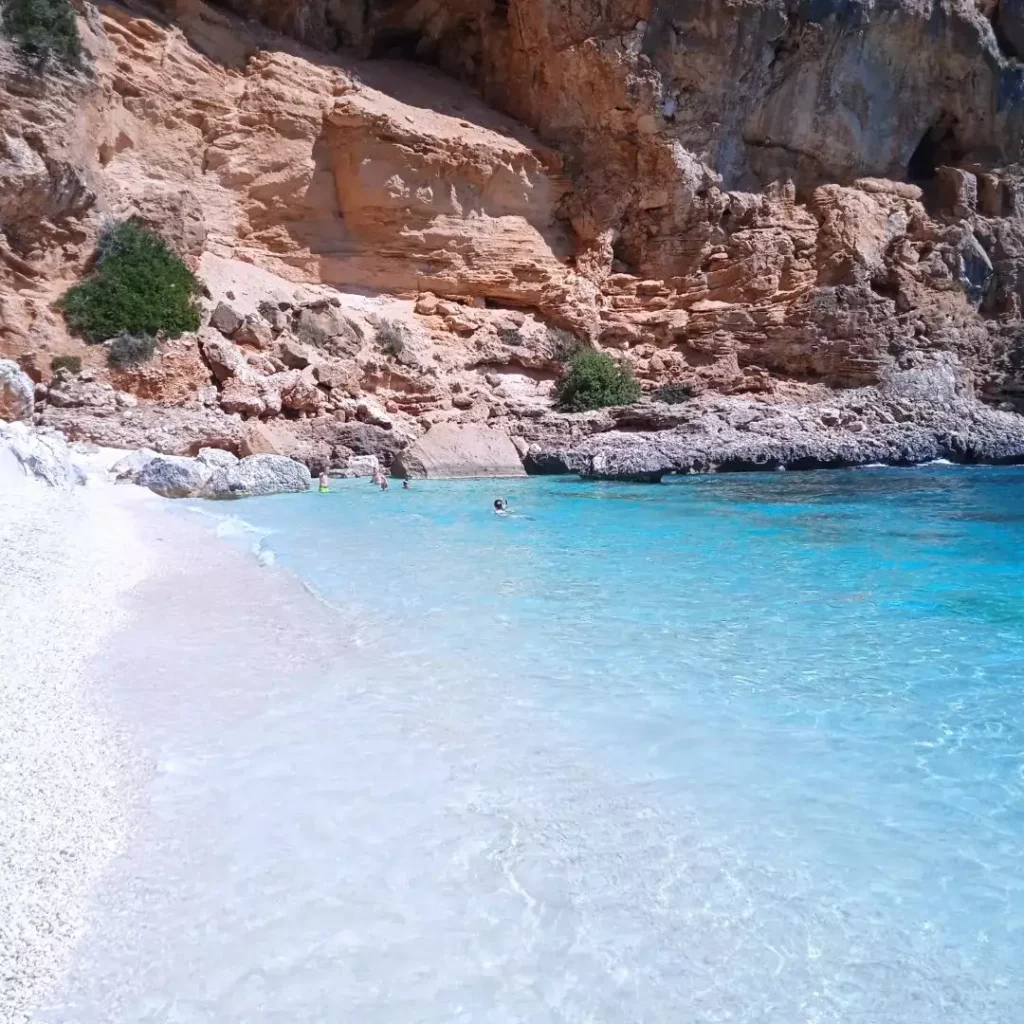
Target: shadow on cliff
230	41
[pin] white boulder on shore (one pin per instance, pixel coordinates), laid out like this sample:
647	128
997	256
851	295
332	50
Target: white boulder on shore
17	392
219	474
28	455
174	476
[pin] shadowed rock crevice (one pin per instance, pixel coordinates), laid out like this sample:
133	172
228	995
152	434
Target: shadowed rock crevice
938	146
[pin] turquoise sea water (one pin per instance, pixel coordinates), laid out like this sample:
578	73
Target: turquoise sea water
742	748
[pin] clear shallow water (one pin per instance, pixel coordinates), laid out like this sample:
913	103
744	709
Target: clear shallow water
741	748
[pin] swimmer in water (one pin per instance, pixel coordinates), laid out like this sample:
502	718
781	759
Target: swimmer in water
500	507
383	482
405	485
325	484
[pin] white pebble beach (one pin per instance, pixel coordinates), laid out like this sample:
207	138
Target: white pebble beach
104	587
67	560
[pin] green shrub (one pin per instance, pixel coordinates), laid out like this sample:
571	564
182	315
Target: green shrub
140	286
131	349
73	364
391	336
510	335
44	30
595	380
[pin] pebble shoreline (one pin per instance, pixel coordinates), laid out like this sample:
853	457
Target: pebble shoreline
67	561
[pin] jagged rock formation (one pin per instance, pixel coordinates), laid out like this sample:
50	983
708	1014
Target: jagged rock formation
17	396
41	456
756	203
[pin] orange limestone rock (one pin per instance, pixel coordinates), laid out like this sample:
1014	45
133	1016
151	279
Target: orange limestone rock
739	200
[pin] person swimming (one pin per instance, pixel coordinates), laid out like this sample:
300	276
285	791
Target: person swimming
405	485
325	482
501	509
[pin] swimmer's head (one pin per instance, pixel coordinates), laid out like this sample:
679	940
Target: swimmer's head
499	504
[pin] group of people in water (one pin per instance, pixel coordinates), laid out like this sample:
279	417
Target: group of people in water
378	479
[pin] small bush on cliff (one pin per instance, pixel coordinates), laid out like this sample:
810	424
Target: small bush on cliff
45	31
595	380
140	286
130	349
391	337
73	364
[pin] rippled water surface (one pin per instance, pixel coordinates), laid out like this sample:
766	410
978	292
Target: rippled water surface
744	748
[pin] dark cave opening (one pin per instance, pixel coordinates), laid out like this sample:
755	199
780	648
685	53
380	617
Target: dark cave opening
622	263
400	44
885	287
938	147
454	51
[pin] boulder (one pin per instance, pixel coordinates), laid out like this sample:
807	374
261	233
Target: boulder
368	410
256	476
254	331
261	363
219	474
303	395
17	392
244	397
225	319
324	326
225	359
39	455
272	389
67	392
276	318
294	354
358	439
293	438
217	458
359	465
175	476
128	468
337	375
448	450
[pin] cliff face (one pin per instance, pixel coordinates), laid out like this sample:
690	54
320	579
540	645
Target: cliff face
776	198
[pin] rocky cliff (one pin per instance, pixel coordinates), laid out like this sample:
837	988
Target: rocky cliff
799	220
